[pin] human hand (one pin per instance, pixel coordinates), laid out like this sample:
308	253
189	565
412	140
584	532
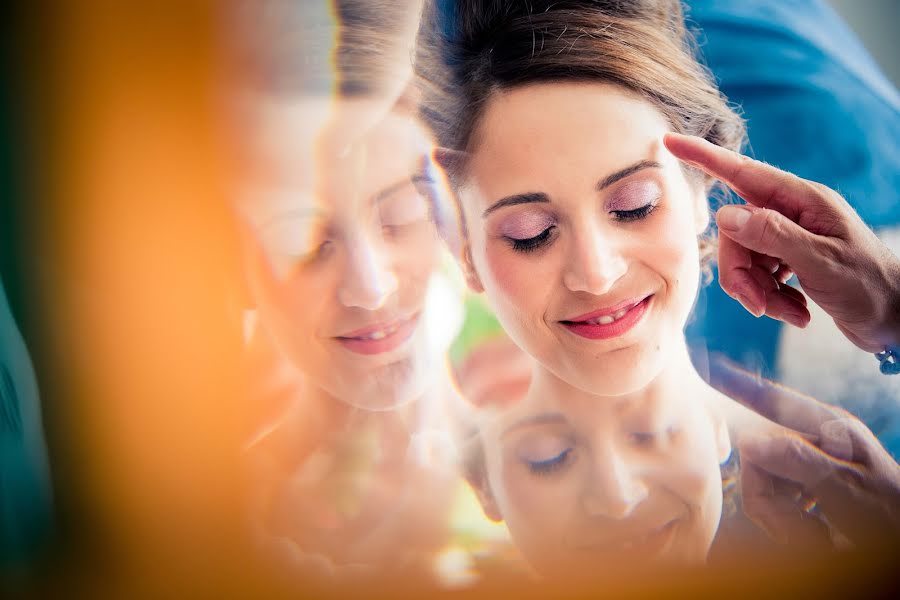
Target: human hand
822	471
794	226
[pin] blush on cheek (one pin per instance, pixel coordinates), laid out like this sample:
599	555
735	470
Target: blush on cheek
509	274
525	512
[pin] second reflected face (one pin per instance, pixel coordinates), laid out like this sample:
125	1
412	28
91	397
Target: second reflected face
582	231
585	487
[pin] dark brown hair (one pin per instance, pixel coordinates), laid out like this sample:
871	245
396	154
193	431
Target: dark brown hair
467	50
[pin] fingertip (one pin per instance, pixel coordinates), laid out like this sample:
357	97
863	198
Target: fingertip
680	145
748	305
752	297
672	137
801	321
738	293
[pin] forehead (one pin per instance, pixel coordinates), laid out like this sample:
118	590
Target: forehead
323	155
549	130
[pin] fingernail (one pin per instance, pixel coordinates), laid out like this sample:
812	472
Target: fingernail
796	320
750	306
733	218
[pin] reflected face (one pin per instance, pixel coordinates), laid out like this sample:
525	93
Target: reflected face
340	246
582	231
586	486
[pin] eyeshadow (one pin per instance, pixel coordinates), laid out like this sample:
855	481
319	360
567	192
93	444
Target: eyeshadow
634	195
524	225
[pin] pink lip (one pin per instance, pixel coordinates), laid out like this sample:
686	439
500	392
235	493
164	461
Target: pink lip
579	325
401	330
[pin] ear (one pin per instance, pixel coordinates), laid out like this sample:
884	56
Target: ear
701	210
488	504
469	271
481	487
475	472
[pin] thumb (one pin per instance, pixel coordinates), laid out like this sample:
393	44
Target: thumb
769	232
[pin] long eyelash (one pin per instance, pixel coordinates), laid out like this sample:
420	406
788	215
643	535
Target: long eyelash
533	243
545	467
636	214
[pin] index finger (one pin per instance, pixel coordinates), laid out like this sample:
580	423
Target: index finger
775	402
756	182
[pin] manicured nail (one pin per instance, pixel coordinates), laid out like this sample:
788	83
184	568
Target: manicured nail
733	218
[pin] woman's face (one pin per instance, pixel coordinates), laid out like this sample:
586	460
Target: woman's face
582	231
586	486
340	247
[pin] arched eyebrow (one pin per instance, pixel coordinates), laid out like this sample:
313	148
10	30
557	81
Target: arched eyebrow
416	181
604	183
538	419
526	198
626	172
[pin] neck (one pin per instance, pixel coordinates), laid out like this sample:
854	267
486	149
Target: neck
678	374
331	414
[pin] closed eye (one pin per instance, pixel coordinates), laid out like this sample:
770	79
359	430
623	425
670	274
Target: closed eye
651	439
532	243
642	439
636	214
545	467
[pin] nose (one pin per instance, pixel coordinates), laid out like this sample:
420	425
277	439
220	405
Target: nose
369	279
595	264
613	490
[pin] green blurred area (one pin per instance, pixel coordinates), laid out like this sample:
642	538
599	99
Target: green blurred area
480	324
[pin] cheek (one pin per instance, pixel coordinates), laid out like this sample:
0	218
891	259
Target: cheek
414	260
538	510
674	255
299	313
505	275
288	309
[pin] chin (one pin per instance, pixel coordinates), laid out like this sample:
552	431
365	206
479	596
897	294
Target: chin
388	387
616	373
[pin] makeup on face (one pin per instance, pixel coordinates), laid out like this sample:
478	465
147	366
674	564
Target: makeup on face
401	205
381	337
582	209
558	458
340	287
611	322
531	227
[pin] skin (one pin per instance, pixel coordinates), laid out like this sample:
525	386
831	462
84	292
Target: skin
795	226
584	485
337	238
334	210
624	455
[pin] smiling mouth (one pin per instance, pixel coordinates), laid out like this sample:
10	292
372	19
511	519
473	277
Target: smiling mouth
380	338
607	324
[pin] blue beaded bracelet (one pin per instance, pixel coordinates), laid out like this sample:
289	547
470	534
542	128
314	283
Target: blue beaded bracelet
890	360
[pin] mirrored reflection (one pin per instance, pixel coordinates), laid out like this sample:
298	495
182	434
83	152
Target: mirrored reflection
349	314
575	435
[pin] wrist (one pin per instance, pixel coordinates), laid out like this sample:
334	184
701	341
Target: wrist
892	325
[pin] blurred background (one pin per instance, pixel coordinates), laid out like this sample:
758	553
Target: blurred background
875	21
122	395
